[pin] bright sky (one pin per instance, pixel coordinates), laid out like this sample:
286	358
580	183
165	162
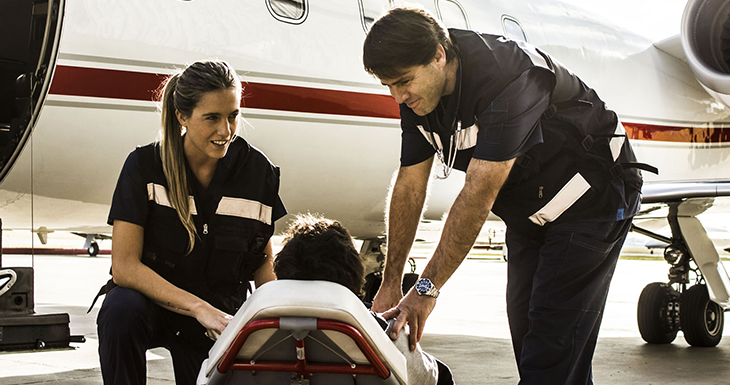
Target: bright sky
655	19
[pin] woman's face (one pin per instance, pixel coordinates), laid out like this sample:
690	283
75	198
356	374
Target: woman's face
211	126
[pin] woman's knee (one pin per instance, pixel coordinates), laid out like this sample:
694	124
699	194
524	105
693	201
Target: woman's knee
123	309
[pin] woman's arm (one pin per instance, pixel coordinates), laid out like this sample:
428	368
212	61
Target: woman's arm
129	271
265	272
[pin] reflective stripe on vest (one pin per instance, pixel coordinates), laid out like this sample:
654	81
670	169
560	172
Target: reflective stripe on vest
244	208
236	207
617	142
465	138
565	198
158	194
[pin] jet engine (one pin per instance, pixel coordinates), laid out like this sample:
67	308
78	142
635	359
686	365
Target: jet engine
705	37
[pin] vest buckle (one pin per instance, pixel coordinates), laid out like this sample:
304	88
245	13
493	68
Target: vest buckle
523	161
616	170
550	112
587	143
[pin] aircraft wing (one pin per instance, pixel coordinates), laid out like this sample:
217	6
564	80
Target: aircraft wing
673	47
664	192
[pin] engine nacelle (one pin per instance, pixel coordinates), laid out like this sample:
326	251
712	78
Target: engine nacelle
705	39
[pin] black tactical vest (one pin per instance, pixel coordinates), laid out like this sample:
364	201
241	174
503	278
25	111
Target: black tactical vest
579	165
232	236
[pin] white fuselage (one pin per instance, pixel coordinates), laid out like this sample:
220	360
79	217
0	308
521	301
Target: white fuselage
312	108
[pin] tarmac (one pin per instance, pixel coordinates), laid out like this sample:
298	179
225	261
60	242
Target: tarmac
467	330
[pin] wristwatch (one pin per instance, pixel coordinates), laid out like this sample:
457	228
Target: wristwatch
424	286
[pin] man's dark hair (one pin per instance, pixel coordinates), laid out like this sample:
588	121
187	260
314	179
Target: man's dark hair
403	38
316	248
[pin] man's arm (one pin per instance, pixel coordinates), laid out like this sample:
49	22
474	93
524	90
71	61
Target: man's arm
484	179
404	212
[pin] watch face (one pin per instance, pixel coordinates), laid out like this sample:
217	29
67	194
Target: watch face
423	285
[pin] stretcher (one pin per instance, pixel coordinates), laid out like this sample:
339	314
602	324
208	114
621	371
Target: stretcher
303	332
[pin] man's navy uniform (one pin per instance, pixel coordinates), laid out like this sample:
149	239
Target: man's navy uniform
234	218
567	202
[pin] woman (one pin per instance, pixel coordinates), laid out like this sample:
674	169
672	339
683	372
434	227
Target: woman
192	218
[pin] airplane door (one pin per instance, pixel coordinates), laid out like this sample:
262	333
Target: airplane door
30	31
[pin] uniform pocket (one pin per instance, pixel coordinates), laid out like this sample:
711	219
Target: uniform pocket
165	240
237	253
576	265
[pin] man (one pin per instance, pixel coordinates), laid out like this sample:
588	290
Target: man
540	150
317	248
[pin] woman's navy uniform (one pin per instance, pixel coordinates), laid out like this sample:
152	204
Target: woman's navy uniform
234	218
567	202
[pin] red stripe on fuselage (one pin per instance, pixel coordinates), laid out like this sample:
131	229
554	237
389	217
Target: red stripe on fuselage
116	84
677	134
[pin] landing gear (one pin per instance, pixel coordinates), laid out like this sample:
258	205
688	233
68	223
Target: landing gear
90	244
702	320
93	249
373	255
684	303
658	313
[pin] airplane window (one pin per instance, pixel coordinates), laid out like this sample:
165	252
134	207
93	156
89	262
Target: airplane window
289	11
513	28
371	10
453	14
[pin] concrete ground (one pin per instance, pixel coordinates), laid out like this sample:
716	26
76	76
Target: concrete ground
467	330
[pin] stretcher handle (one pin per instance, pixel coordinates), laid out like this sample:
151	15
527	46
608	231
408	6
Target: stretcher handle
302	368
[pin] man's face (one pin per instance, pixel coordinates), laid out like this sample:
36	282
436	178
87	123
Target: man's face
419	87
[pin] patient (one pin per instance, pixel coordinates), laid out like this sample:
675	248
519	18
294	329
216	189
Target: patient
316	248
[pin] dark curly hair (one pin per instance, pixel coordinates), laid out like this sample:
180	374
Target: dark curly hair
317	248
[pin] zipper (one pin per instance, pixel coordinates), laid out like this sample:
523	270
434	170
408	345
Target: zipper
205	228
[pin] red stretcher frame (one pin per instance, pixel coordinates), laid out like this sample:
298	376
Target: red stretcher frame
301	367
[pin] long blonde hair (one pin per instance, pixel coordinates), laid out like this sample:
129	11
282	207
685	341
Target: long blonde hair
182	92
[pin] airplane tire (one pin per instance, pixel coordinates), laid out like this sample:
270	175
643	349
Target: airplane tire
701	319
657	313
93	249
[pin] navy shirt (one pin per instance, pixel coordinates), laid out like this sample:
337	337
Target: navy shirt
498	112
130	199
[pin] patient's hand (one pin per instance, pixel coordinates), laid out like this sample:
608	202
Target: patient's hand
387	298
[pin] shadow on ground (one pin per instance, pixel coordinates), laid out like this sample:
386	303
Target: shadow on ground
479	360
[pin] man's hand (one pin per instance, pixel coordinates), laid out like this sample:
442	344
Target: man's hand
413	310
387	297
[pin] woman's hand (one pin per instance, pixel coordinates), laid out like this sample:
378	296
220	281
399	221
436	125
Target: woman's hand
211	318
129	271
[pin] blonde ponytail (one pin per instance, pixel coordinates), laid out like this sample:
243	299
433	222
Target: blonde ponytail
181	93
173	161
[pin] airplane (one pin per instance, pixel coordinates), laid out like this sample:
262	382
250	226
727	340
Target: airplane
76	96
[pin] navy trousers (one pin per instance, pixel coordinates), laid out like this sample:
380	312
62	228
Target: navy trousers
556	291
129	324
